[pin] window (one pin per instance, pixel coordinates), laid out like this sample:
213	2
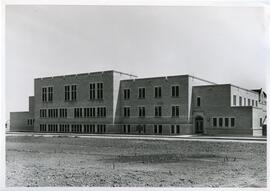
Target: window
158	129
52	113
101	112
67	93
178	129
172	129
226	122
198	101
43	113
252	102
175	129
155	129
47	94
244	101
30	122
214	122
141	93
99	90
64	128
126	93
50	93
63	112
92	112
232	122
158	111
234	100
43	127
73	92
141	111
76	128
126	111
220	122
256	103
175	91
77	112
261	122
248	102
70	92
240	101
126	128
158	92
101	128
175	111
92	91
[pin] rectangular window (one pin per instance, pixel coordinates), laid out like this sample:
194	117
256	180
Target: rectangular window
175	111
126	128
172	129
101	112
67	93
175	91
220	122
155	129
226	122
126	111
126	93
78	112
234	100
63	112
232	122
141	93
43	113
261	122
50	93
256	103
240	101
158	92
214	122
178	129
99	90
252	102
73	92
92	112
198	102
248	102
44	94
92	91
244	101
141	111
158	111
160	129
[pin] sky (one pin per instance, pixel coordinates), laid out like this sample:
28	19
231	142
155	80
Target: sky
219	44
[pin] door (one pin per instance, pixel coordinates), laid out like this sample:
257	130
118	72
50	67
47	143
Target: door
199	124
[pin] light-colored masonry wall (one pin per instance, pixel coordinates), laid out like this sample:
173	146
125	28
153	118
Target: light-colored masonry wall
166	102
245	94
82	81
215	102
117	77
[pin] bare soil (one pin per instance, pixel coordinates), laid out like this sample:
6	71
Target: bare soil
65	161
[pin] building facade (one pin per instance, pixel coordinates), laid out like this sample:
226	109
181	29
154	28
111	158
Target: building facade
116	102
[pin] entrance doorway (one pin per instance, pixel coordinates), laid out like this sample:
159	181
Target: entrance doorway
198	124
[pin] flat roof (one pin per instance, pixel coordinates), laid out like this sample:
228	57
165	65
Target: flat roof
251	91
82	74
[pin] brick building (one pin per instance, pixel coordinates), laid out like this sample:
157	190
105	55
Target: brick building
116	102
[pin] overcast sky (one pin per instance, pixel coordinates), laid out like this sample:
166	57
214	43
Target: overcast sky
220	44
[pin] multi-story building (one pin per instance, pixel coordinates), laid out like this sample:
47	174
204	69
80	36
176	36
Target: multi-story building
115	102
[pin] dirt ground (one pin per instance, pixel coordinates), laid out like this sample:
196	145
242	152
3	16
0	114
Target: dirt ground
64	161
